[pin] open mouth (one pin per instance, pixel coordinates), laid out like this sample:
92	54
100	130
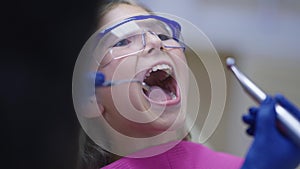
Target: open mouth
163	85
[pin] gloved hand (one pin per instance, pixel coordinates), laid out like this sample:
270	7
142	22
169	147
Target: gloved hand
270	148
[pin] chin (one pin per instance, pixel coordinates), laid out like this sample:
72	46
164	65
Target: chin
170	119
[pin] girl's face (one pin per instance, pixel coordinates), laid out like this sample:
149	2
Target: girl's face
130	109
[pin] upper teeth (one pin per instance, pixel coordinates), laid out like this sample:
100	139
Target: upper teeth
163	67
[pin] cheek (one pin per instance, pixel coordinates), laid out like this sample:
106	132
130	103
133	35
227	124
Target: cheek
107	71
181	70
179	59
179	56
104	98
120	68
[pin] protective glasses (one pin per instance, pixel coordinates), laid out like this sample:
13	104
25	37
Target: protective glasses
130	36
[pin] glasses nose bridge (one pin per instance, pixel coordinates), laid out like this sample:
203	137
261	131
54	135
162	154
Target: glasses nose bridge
151	39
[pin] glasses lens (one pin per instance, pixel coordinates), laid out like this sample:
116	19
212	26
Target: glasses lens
128	38
170	42
127	46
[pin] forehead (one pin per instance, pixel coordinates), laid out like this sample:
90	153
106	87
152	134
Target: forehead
121	12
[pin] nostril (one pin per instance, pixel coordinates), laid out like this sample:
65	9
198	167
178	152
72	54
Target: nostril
150	50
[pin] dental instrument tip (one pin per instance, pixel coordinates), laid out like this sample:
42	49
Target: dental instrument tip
100	82
230	61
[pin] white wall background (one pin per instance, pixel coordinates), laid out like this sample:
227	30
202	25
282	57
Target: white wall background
264	36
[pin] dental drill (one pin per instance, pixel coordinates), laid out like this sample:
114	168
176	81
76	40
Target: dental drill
286	122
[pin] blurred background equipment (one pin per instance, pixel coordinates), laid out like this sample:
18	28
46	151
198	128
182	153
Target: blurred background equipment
263	36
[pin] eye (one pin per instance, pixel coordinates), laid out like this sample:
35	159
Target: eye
164	37
123	42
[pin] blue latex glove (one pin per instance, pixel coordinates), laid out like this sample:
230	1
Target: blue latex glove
270	149
250	119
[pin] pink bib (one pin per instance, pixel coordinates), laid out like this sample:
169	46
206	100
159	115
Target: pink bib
185	155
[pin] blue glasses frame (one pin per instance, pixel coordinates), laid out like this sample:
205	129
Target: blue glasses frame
175	26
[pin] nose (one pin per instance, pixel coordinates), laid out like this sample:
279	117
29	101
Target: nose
152	42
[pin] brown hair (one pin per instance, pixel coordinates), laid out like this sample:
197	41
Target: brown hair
111	4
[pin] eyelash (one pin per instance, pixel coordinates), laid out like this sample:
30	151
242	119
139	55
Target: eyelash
162	37
120	43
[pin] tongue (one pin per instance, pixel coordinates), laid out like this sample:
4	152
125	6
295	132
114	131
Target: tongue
157	94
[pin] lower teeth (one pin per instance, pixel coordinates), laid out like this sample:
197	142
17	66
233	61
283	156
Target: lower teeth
173	96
